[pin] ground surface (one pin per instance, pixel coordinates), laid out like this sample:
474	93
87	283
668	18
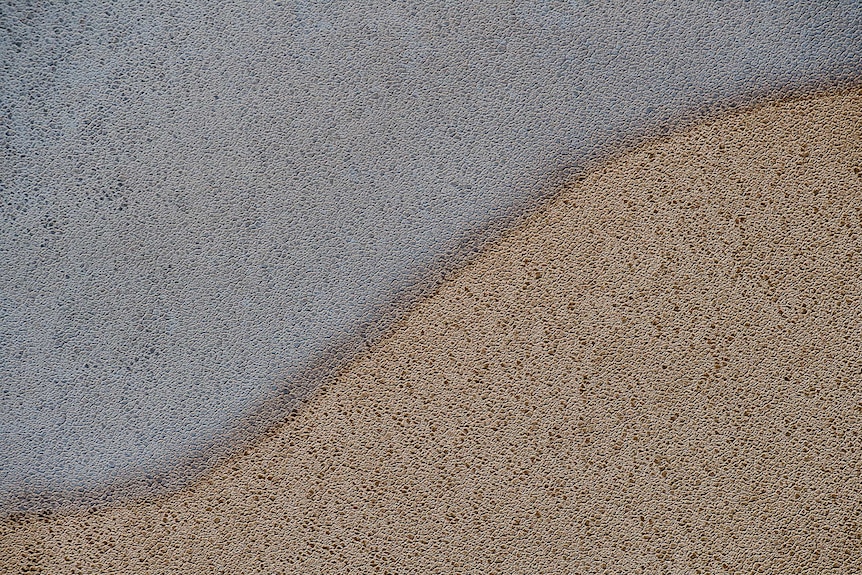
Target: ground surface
659	372
201	201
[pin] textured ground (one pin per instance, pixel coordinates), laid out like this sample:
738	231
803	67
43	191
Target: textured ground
660	372
202	201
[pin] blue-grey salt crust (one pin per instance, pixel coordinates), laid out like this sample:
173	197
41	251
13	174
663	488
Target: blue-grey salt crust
201	201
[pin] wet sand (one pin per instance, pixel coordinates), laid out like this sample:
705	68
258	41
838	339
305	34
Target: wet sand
660	371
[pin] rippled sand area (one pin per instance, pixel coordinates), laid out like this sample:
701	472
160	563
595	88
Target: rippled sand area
660	371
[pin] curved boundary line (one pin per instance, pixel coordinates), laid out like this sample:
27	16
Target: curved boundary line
306	382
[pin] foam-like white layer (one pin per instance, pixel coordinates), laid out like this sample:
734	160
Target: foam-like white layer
198	201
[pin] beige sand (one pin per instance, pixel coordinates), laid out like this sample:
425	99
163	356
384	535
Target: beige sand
660	372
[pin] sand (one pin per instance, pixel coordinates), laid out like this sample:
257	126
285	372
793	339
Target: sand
202	203
660	371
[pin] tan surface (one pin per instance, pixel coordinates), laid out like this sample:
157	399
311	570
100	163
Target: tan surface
661	372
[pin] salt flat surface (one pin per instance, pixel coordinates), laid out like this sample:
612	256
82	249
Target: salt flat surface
201	201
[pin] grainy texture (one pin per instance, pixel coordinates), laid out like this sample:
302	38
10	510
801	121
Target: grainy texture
659	372
200	201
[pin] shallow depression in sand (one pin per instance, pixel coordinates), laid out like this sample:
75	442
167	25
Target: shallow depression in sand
660	370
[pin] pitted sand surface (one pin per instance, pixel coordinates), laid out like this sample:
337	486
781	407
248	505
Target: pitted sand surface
659	372
205	204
